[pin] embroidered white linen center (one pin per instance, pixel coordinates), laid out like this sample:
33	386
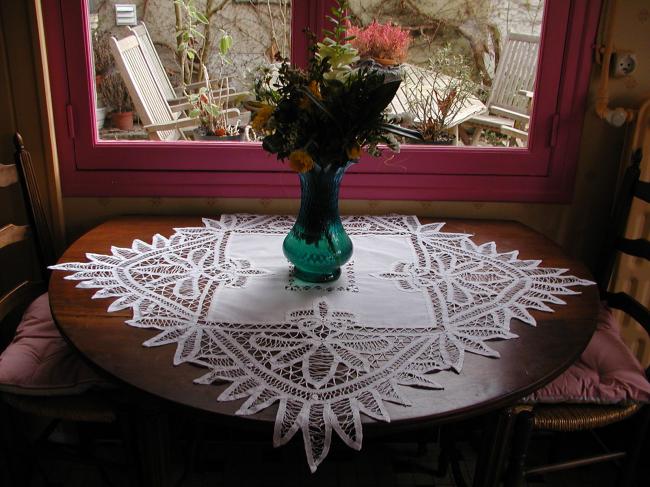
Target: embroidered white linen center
411	302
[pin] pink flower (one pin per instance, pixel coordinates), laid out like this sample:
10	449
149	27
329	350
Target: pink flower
383	41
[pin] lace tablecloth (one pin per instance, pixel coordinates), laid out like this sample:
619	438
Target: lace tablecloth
412	302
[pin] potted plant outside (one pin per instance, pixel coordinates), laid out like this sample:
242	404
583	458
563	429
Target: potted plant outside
210	104
387	44
212	117
103	62
115	93
437	94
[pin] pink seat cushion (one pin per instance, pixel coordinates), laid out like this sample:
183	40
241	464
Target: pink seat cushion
607	372
40	362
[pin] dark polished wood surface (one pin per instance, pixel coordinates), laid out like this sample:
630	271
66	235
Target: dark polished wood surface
527	362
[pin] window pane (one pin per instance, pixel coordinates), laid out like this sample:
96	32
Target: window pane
469	68
159	75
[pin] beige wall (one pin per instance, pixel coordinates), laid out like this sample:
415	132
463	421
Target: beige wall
577	226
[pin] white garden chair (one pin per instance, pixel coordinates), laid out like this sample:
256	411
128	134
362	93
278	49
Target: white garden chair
174	95
512	90
161	120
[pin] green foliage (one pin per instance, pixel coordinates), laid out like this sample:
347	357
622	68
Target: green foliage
209	110
191	43
225	43
340	21
189	37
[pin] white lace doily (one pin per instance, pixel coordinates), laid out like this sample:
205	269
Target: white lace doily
411	303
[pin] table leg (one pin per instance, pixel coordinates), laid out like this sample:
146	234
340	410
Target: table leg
489	465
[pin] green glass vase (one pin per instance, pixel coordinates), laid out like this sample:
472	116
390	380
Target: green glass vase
317	245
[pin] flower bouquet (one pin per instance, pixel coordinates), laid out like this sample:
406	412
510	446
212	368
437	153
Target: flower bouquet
320	120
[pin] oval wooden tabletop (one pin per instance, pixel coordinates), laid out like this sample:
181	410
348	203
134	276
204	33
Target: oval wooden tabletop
538	355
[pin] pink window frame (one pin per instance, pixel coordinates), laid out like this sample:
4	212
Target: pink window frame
542	172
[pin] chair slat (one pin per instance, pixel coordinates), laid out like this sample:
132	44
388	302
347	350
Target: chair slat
11	234
145	91
516	71
8	175
642	191
20	297
619	218
636	247
157	68
38	218
631	306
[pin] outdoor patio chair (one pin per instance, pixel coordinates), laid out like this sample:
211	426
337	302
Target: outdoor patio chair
512	90
175	95
161	120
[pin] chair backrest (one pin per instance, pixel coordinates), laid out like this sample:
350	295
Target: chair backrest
616	243
37	229
516	71
153	60
159	72
150	102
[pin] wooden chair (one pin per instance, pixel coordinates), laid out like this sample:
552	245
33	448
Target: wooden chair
510	99
161	120
79	408
589	417
174	95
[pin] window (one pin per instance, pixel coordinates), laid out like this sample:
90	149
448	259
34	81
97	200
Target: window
539	167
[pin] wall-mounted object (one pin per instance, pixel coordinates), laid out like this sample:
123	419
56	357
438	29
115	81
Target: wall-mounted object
623	64
126	14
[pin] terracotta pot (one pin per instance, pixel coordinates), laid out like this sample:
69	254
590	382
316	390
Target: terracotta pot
222	138
386	62
122	120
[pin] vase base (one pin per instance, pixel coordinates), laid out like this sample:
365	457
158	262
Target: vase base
317	277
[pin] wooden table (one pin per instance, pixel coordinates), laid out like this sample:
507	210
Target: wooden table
528	362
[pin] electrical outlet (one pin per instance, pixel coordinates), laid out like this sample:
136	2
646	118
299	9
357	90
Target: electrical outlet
623	64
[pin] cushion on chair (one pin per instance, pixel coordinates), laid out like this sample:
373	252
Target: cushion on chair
607	372
40	362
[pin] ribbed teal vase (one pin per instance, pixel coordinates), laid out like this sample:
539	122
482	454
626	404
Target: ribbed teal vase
317	245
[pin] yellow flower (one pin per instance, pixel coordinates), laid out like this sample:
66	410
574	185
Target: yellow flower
304	103
354	152
315	89
300	161
262	117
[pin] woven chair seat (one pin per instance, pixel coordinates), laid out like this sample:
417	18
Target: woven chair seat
85	408
578	417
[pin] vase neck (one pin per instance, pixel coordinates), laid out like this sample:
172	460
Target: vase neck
320	196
